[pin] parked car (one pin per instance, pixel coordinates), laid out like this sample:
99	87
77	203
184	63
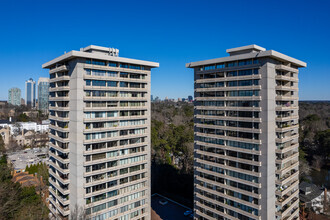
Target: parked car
163	202
188	212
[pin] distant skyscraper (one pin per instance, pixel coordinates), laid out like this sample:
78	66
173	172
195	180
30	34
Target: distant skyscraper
190	98
14	96
30	93
99	135
152	98
246	136
43	94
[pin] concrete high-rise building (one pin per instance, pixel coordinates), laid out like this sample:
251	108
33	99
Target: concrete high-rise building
30	93
14	96
99	134
246	135
43	94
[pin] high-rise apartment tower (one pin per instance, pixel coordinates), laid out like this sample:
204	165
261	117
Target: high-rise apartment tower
246	135
43	94
99	135
14	96
30	93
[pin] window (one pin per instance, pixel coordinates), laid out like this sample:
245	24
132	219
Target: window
112	64
98	62
123	84
123	75
135	67
244	62
112	74
220	65
111	84
232	64
124	65
210	67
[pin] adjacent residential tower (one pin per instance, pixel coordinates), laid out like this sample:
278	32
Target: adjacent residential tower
246	135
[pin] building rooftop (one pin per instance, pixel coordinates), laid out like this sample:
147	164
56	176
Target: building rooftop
309	191
97	52
245	49
248	52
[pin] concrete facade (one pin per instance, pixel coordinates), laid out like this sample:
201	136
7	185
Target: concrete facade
100	135
246	135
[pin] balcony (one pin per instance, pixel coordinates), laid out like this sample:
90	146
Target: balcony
286	78
62	179
59	88
287	178
286	98
57	118
225	186
227	118
287	158
59	98
57	128
258	76
258	185
58	187
287	128
226	157
60	159
58	79
281	191
286	88
63	150
59	108
286	139
201	107
232	98
254	141
229	148
287	209
282	201
285	170
58	69
228	128
284	149
286	68
55	137
256	87
57	167
287	107
59	208
64	201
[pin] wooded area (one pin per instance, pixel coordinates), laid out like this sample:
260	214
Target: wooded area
172	147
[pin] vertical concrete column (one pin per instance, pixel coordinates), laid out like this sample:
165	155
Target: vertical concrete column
148	194
267	137
76	137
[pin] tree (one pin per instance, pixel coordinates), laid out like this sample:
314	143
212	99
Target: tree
2	146
23	118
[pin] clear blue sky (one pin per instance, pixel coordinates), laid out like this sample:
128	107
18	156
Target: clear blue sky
172	33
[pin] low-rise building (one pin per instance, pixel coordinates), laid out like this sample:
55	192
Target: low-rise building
313	196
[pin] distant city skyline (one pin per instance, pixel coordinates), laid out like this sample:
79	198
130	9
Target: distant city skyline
170	40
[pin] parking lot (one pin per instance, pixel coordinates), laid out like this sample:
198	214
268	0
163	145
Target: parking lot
169	211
